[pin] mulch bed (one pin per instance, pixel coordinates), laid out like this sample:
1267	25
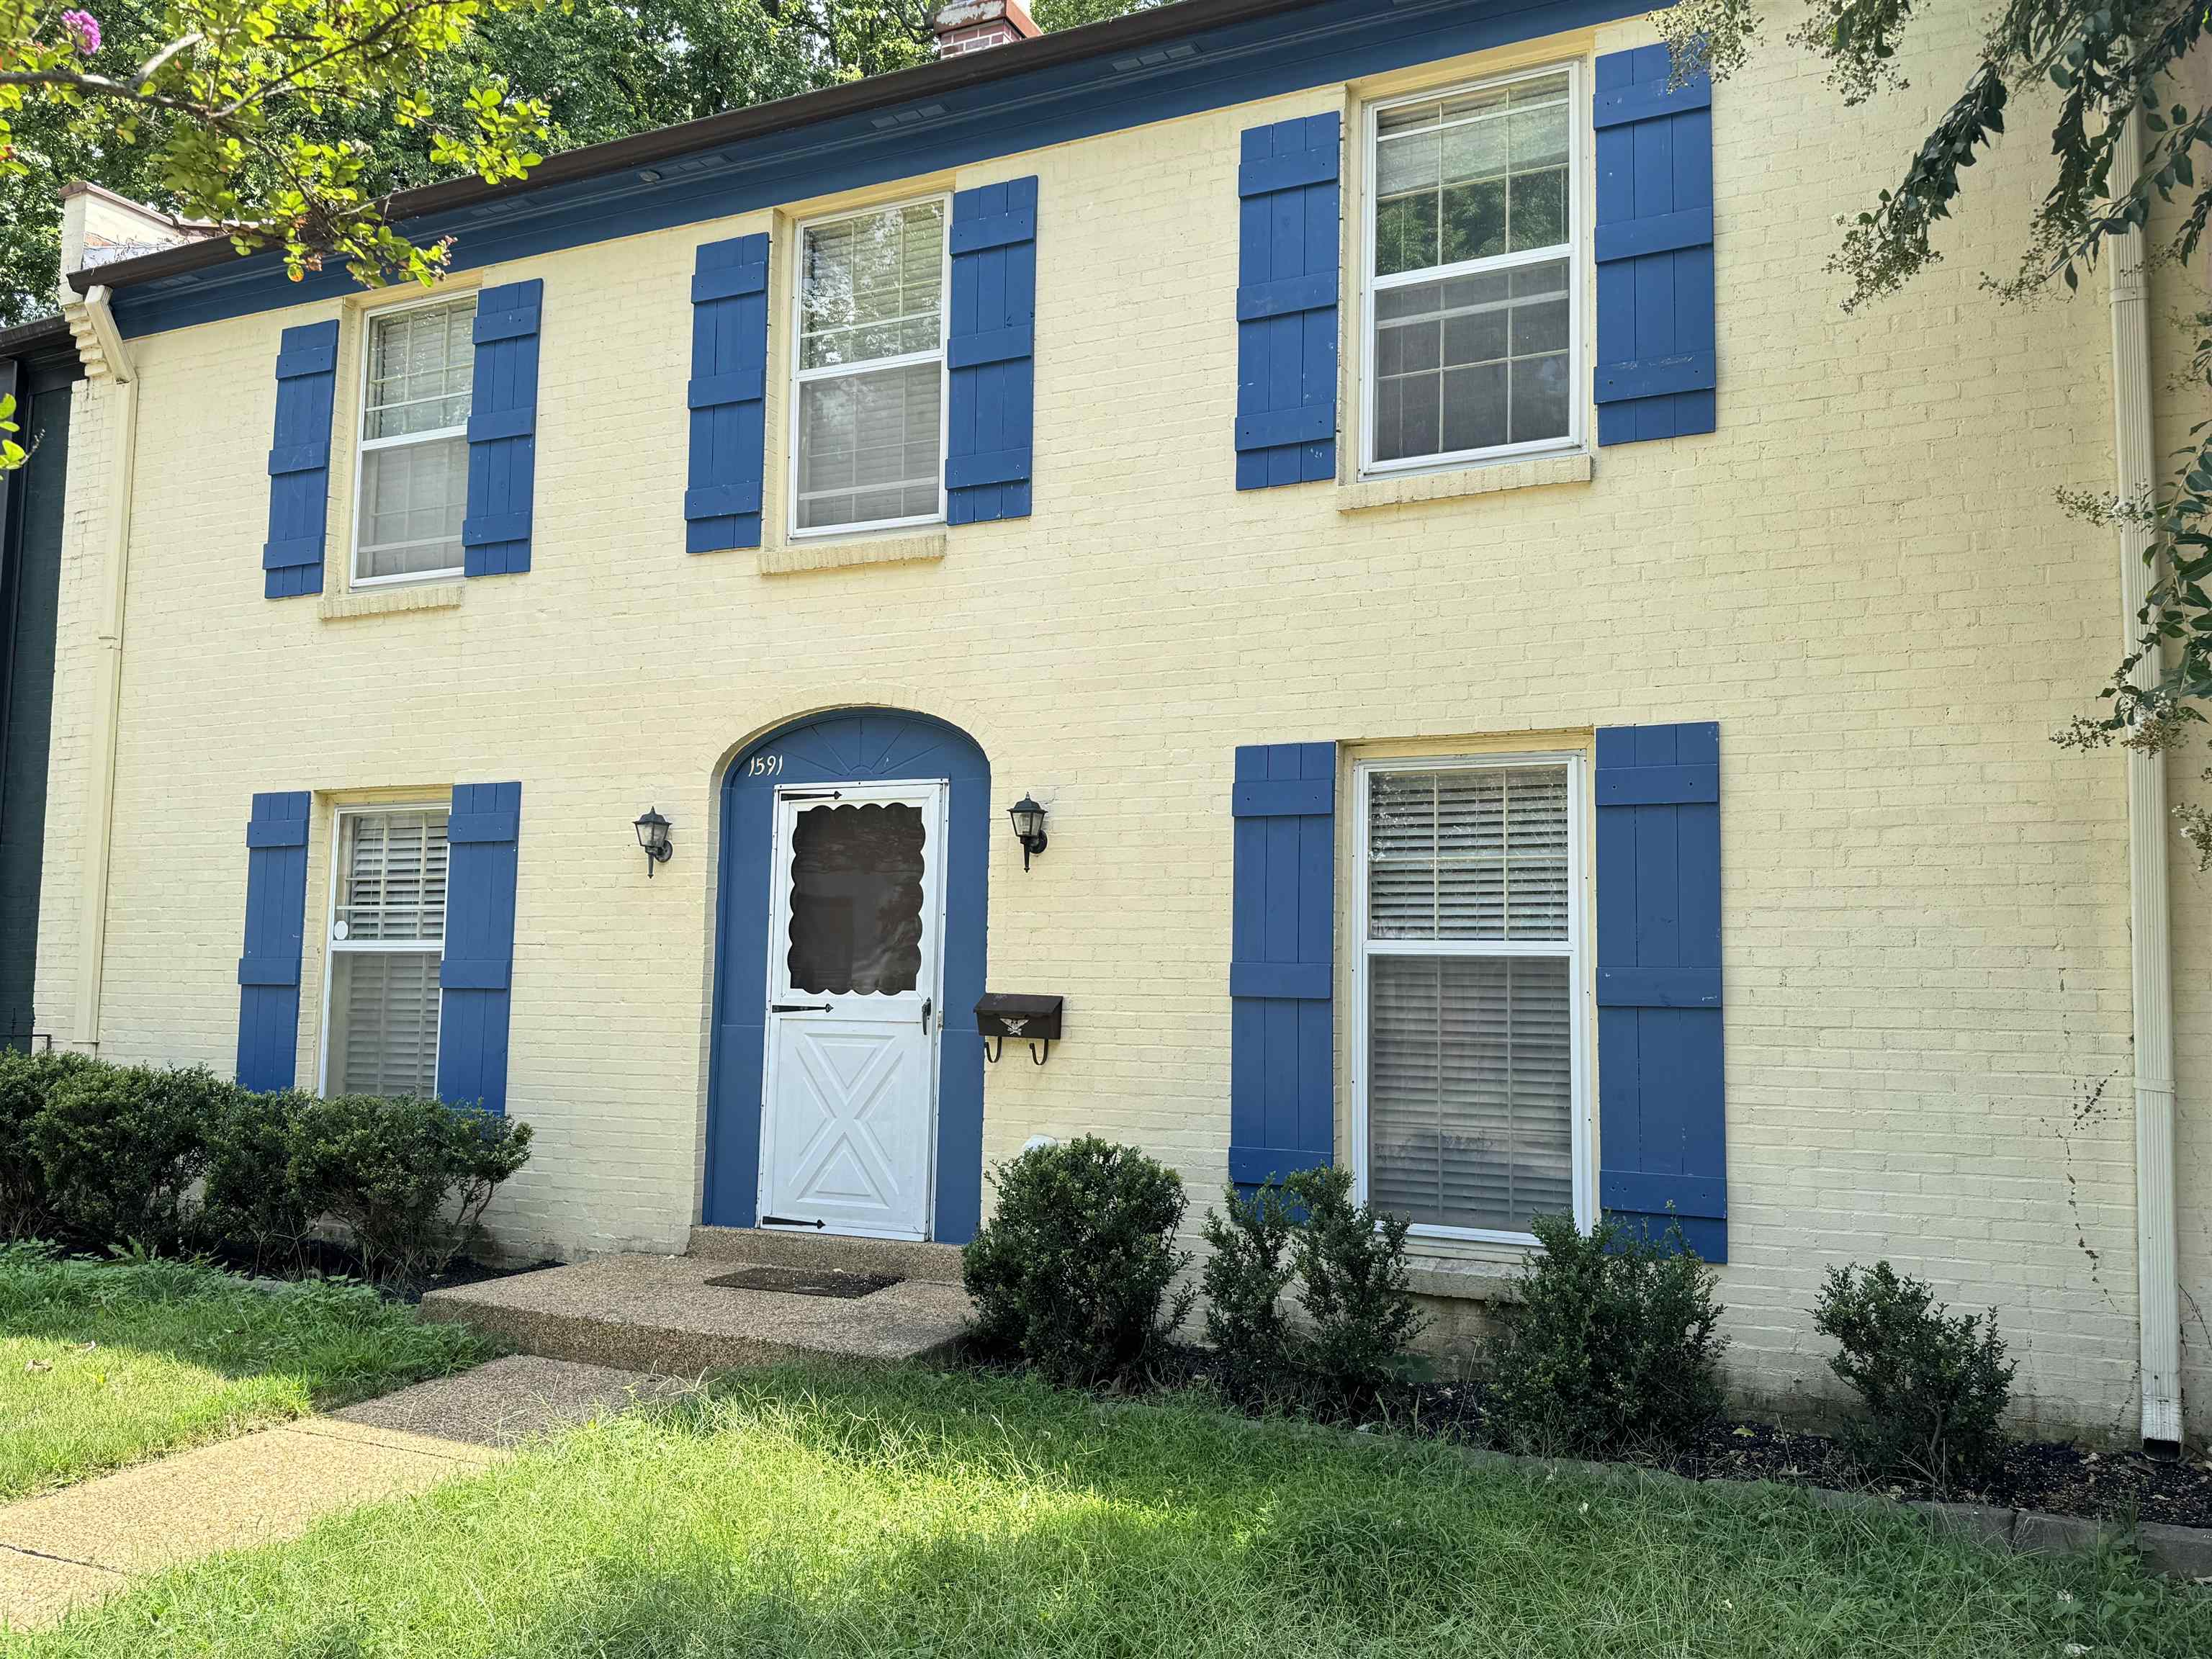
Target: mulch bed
2047	1476
324	1258
461	1272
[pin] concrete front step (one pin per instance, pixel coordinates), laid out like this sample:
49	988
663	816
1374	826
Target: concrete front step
817	1252
658	1313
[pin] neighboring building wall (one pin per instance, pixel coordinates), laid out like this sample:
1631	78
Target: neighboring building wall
30	579
1863	576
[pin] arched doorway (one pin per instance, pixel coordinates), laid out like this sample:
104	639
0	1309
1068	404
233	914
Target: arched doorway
845	1092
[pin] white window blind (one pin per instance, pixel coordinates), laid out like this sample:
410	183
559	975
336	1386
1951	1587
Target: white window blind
387	933
1471	278
1467	955
870	393
414	442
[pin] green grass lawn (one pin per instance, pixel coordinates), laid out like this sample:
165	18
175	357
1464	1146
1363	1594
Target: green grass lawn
874	1513
104	1364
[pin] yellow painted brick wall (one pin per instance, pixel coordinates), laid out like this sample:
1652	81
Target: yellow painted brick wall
1862	576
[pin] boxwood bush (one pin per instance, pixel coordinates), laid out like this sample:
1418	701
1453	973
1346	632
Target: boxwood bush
1348	1262
409	1177
104	1157
121	1147
1936	1384
26	1082
1073	1273
1614	1346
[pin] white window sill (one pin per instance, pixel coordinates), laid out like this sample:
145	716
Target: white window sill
1414	487
384	601
792	557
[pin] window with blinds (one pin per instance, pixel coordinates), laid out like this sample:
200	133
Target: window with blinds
387	940
1468	951
416	393
869	399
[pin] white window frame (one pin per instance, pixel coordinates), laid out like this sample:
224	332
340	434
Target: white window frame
332	946
799	376
1575	254
363	444
1583	1175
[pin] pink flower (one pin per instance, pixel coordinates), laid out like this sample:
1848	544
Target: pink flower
83	28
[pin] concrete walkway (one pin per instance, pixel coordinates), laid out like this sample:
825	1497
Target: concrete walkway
87	1541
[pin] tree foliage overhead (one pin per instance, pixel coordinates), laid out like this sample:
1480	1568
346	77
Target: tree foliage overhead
589	69
228	108
2120	74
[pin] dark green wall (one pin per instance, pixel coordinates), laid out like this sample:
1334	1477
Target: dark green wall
30	588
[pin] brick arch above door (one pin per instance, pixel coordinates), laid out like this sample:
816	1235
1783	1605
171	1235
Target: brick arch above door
848	746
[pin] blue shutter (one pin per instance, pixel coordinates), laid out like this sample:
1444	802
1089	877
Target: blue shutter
1655	250
276	921
1661	1142
480	857
503	431
1282	1110
990	348
300	462
728	394
1288	271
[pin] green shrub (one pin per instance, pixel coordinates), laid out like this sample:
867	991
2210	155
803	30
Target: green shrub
27	1081
1613	1349
1247	1270
1073	1273
1935	1385
120	1147
1349	1264
250	1206
410	1177
1352	1277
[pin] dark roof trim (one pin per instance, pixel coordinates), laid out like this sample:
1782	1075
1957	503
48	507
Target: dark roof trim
44	344
1011	100
1121	34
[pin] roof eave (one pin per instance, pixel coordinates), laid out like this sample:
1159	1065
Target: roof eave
828	103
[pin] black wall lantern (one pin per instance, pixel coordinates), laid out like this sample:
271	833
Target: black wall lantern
653	835
1029	827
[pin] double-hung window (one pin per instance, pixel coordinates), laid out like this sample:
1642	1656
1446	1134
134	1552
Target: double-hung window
868	398
414	475
387	941
1469	1086
1474	319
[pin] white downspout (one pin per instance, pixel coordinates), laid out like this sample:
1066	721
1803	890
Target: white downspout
2158	1294
99	804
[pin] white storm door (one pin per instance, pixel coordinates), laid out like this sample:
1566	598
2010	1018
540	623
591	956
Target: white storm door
848	1120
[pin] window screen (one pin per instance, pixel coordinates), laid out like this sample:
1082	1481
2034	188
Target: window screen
870	370
1469	973
414	442
1473	241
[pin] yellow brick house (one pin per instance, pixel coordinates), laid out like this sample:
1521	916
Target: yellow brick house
1341	554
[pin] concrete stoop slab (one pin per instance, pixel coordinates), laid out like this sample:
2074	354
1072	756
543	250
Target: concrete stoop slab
656	1313
830	1252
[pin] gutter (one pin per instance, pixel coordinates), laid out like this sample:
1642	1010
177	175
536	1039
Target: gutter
105	357
2158	1274
1123	35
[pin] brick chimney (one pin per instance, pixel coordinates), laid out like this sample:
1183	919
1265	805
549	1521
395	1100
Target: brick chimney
967	25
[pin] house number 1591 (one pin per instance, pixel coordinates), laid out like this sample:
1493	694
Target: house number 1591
765	766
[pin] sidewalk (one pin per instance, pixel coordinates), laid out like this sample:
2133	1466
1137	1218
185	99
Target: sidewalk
87	1541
